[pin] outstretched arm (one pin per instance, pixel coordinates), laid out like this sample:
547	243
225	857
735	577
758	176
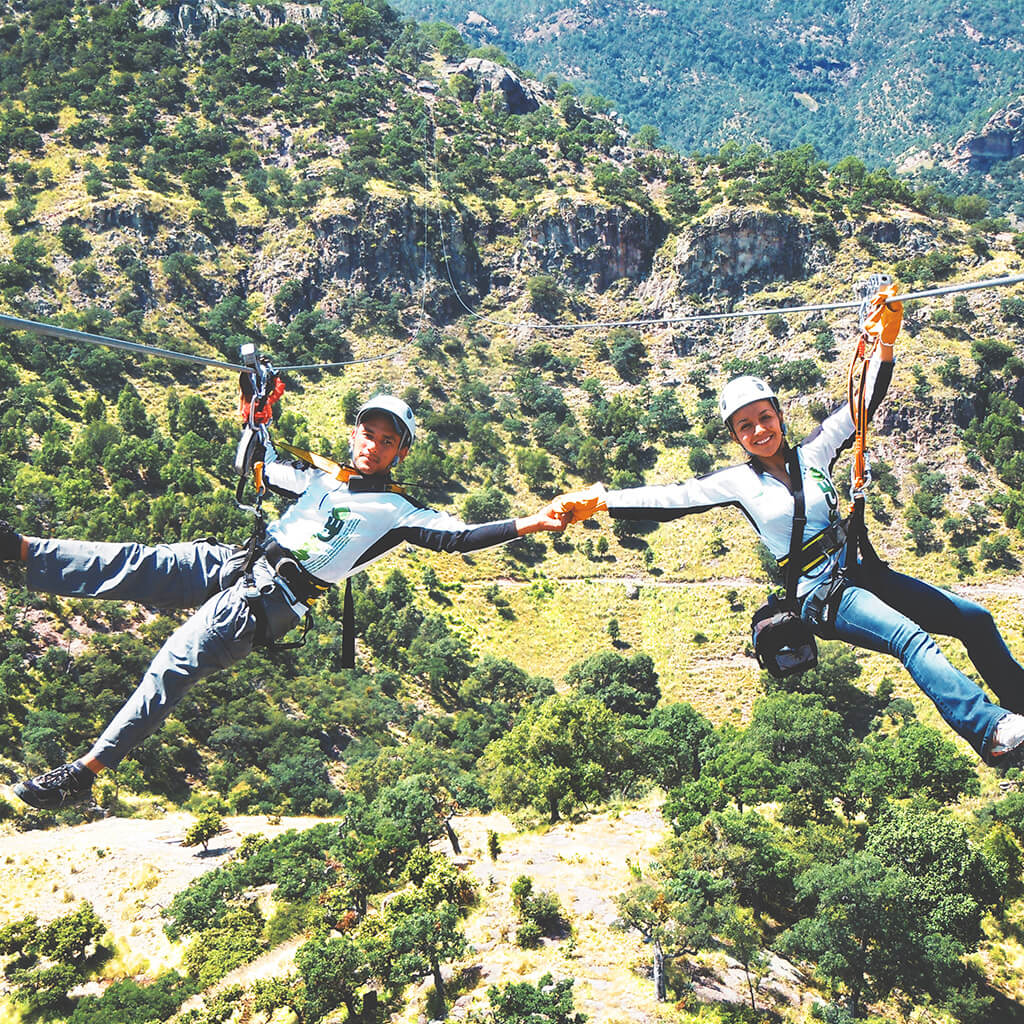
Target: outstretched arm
550	518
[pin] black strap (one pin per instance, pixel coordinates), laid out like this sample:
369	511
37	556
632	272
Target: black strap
254	547
796	539
303	584
276	645
858	546
348	629
814	551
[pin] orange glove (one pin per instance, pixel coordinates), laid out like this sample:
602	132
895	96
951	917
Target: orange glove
885	317
580	505
263	412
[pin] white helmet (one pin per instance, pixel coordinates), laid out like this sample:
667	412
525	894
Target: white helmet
741	391
400	413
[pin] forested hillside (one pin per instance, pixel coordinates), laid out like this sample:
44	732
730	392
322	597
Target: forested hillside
890	83
334	183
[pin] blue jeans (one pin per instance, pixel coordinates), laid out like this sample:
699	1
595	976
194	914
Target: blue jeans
220	632
886	611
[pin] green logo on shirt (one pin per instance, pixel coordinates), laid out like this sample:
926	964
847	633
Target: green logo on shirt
826	488
332	527
334	524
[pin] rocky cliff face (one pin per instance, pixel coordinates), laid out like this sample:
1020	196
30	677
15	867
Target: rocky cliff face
734	251
377	250
191	20
1002	138
592	246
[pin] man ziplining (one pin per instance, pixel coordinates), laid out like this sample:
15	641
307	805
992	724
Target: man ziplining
341	519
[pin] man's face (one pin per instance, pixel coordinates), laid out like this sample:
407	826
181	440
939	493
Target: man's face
376	443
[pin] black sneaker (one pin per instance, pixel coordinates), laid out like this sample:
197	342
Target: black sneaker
68	784
10	542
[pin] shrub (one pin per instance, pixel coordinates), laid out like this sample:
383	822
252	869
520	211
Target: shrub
546	297
485	505
627	353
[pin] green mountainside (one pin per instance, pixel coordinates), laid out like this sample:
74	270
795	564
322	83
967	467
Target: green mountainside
335	183
893	84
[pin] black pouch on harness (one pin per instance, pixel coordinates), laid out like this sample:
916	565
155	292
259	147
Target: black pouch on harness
783	643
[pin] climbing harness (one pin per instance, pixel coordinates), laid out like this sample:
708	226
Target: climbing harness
783	639
261	388
350	476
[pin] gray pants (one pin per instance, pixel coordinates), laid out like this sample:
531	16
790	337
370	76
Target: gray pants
203	573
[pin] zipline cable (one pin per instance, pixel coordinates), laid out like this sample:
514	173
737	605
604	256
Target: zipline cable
16	323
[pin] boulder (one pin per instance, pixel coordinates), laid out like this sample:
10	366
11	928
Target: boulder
521	97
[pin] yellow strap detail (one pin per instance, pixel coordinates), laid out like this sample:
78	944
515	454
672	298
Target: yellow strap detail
321	462
816	539
333	469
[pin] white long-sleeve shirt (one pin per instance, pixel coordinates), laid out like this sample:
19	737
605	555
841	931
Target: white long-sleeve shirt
334	529
765	501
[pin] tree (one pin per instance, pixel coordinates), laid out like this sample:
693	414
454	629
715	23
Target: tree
677	911
627	353
485	505
128	1002
562	752
759	858
916	761
795	751
951	882
540	913
535	467
746	941
547	1002
626	686
336	971
546	297
217	950
865	933
203	830
431	933
46	962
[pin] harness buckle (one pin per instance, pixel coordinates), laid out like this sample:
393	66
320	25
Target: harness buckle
859	492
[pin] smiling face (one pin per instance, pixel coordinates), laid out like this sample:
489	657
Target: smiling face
758	428
376	443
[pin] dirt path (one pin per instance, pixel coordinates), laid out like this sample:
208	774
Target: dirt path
1011	587
128	868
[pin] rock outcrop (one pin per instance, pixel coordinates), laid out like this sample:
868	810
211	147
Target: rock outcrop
736	251
191	20
1001	139
593	246
521	96
377	251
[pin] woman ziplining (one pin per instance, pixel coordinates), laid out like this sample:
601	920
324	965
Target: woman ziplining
840	589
